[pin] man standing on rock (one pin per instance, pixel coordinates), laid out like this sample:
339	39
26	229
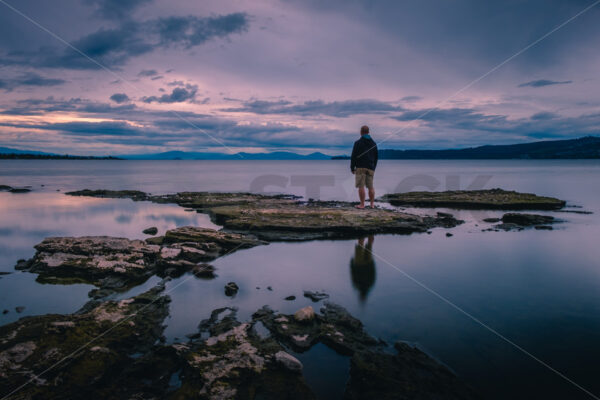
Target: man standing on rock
362	164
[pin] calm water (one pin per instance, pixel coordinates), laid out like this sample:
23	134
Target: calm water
538	289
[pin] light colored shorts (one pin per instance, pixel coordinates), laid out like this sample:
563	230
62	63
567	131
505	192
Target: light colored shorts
363	177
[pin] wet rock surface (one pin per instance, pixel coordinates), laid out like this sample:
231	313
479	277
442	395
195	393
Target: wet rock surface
374	371
73	356
117	264
408	374
285	218
115	349
520	221
475	199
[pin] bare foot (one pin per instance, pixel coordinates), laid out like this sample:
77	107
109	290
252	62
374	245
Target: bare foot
360	207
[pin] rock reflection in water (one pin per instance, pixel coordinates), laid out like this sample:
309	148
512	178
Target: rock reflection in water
362	267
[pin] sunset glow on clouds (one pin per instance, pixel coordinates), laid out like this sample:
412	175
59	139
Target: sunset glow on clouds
293	75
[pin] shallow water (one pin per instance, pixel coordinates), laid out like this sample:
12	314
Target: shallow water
536	289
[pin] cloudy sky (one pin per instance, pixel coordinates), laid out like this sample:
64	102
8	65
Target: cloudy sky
97	77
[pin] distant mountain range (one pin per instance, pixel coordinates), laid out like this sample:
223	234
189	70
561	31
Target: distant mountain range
184	155
585	147
16	154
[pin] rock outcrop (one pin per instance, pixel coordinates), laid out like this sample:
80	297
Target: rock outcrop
520	221
117	264
285	218
475	199
79	355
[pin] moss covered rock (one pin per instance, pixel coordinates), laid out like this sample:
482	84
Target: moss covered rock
475	199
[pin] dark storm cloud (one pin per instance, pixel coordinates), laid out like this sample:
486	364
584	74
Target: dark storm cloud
51	104
410	99
119	128
178	95
119	98
192	31
29	79
465	30
341	109
543	82
148	72
544	115
115	46
538	126
119	9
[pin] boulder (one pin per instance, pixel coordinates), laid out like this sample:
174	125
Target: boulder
288	361
231	289
304	314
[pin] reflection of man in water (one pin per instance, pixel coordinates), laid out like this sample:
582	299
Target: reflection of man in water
362	267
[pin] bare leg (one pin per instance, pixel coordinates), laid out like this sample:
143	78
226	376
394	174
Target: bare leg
361	196
372	197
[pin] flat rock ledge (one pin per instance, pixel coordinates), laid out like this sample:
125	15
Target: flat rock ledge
285	218
117	264
492	199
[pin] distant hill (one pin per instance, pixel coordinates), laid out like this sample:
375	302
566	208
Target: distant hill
585	147
16	154
7	150
183	155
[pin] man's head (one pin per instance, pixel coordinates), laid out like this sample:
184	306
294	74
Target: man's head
364	130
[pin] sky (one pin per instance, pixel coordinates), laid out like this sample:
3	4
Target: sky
117	77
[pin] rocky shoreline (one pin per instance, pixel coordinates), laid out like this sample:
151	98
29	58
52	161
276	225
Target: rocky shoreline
116	349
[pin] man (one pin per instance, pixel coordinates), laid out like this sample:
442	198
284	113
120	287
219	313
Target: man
362	164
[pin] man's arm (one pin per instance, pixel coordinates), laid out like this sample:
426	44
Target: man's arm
353	158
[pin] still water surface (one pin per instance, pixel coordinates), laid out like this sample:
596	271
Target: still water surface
538	289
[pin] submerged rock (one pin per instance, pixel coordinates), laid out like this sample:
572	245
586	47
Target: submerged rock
491	220
204	271
408	374
231	289
150	231
315	296
519	221
374	372
527	219
475	199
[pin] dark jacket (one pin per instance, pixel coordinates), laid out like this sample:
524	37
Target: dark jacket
364	154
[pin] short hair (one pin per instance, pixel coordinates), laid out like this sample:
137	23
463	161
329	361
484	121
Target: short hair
364	130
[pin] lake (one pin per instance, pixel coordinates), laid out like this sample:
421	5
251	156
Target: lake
468	300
